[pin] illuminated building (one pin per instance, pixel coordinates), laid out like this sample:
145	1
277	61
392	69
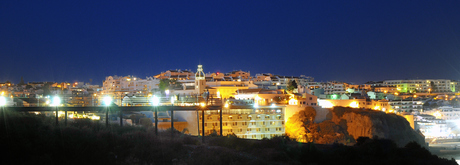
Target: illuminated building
274	82
175	74
329	88
445	113
409	104
247	122
431	127
200	81
423	85
380	105
118	87
240	74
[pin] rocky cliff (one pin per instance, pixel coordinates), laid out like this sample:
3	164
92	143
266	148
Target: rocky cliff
370	123
346	125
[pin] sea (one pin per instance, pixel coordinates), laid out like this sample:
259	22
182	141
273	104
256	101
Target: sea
446	150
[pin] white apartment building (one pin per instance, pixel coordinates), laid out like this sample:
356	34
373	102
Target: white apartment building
118	87
407	105
329	87
423	85
445	113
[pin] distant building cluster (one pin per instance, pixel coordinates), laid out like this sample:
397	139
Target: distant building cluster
431	103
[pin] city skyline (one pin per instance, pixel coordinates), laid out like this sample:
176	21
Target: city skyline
343	41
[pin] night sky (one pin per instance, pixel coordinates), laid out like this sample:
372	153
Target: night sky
347	41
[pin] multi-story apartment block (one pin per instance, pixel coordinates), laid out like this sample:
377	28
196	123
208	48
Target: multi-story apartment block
247	122
329	87
118	87
423	85
381	105
410	104
175	74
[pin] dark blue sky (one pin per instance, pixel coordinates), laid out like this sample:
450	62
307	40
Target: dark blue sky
355	41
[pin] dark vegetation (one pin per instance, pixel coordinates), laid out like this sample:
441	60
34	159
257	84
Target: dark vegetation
34	139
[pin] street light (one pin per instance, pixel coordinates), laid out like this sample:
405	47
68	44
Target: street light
56	102
107	101
2	101
155	103
172	100
2	104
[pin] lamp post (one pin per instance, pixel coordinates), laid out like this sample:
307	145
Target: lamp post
56	102
203	106
155	103
107	102
172	115
2	104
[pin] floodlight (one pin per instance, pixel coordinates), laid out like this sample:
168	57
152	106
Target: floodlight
107	100
2	101
56	101
155	101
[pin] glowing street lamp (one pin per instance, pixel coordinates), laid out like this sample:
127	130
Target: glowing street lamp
256	105
2	104
107	100
167	91
173	98
2	101
56	101
155	101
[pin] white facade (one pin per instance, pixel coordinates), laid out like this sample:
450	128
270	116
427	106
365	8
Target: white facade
423	85
118	87
329	87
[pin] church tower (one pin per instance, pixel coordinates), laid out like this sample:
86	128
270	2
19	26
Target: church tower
200	80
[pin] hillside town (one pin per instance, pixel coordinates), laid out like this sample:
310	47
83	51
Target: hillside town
431	106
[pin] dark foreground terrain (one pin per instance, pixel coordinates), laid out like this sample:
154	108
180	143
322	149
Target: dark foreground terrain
34	139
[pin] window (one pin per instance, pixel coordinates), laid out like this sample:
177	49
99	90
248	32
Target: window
224	124
249	117
258	116
234	123
240	117
267	117
249	129
230	117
